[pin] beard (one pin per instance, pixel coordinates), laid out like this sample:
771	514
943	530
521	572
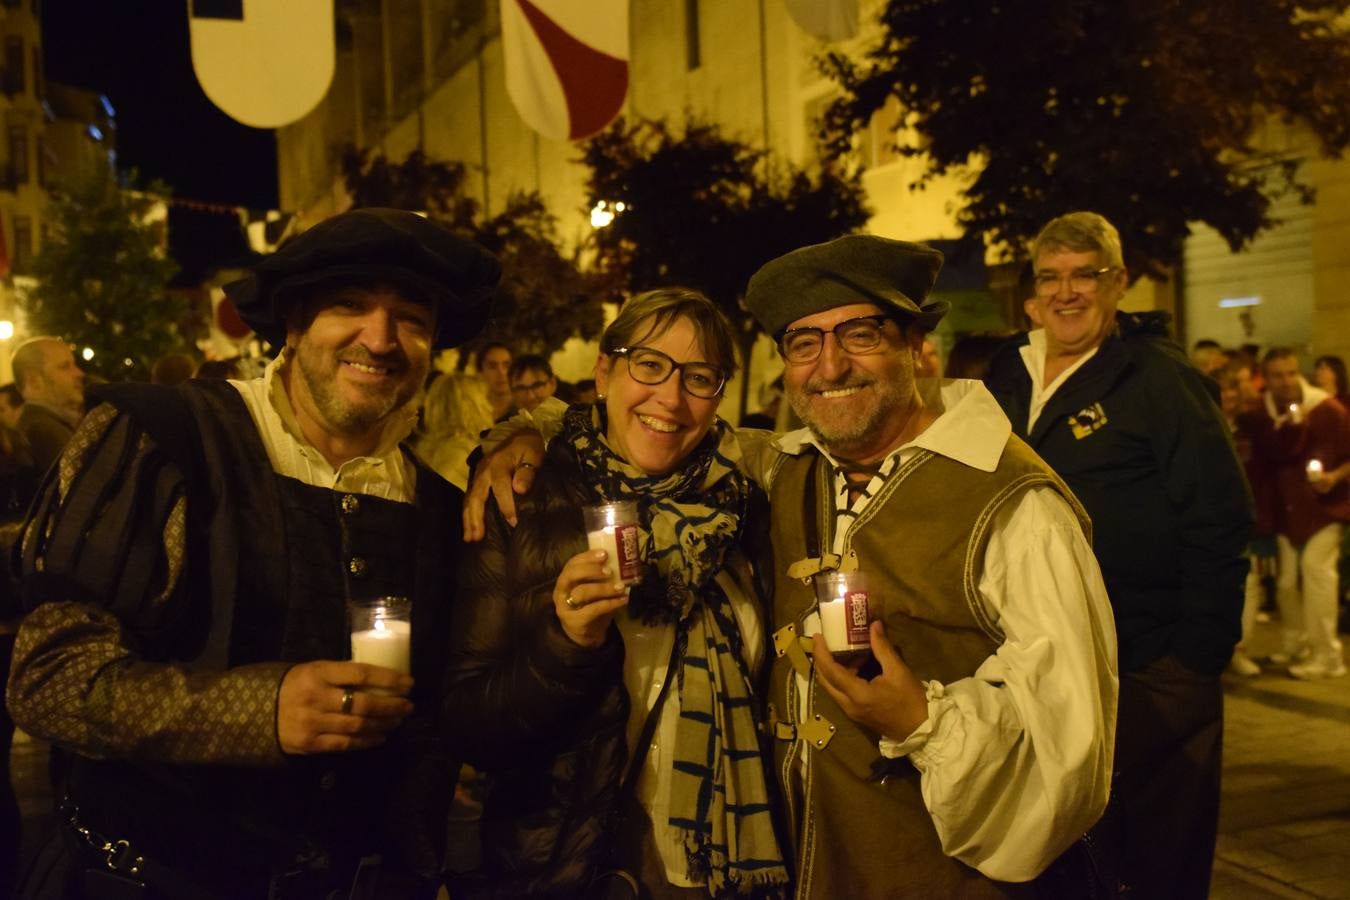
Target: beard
842	427
373	403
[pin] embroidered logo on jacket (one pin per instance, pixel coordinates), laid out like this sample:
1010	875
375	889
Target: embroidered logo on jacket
1087	420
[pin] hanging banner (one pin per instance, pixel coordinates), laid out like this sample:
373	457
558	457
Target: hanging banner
266	63
829	20
566	63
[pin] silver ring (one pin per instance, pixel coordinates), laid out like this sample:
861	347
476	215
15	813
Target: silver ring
347	698
571	602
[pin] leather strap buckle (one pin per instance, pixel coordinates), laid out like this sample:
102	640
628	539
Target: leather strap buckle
786	642
817	732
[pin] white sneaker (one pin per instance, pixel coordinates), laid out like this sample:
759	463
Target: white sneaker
1283	659
1317	668
1242	664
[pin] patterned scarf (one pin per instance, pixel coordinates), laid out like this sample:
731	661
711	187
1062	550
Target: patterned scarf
688	520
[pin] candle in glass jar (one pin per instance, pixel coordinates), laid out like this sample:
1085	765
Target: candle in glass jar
385	644
381	630
613	527
1314	470
845	612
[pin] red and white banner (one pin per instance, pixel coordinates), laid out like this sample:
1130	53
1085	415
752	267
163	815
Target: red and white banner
266	65
566	63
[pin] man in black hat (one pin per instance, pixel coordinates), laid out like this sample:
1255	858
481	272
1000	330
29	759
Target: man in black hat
975	747
188	565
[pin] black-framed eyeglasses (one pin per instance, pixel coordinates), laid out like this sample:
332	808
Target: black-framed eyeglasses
1081	281
648	366
860	335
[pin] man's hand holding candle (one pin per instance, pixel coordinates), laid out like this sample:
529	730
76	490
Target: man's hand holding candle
314	714
892	704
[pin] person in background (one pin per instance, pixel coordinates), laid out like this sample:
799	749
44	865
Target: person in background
1208	356
1113	405
186	570
1329	374
52	386
1243	423
172	369
532	381
1301	450
972	353
493	362
455	412
584	391
18	482
219	368
930	362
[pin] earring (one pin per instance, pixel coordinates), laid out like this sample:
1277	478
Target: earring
599	398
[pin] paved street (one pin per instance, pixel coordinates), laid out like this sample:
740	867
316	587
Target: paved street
1284	826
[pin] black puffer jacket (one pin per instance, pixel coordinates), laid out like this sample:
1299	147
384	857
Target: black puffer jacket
542	716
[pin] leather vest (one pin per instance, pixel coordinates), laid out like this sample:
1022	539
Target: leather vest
861	828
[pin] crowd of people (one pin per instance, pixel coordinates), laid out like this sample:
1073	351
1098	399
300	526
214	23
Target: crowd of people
1054	552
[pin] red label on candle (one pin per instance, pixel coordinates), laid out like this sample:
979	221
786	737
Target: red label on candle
626	540
856	617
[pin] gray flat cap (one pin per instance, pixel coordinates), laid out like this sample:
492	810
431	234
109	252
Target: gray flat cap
410	252
856	268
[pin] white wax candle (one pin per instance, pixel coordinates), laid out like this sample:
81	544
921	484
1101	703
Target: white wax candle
1314	470
843	622
624	565
387	644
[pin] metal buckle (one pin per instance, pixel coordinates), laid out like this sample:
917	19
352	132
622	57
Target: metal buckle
818	732
117	855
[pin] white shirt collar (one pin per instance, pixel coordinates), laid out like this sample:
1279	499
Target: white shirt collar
971	428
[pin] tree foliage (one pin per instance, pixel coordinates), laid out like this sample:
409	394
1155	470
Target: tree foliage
1142	111
705	211
544	297
103	274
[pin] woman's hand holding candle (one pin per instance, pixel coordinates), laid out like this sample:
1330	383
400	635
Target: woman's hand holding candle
589	582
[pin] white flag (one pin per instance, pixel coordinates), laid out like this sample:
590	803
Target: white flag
566	63
265	63
829	20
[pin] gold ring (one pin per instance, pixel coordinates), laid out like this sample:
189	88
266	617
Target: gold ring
347	698
526	465
571	602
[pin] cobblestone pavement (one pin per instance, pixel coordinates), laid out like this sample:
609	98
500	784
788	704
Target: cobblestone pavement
1284	822
1284	819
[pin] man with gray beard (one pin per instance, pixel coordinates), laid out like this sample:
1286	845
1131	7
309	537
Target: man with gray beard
187	568
974	747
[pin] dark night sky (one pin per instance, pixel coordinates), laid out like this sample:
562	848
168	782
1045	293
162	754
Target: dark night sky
137	53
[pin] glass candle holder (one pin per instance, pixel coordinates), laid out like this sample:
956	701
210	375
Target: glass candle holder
845	612
382	632
613	527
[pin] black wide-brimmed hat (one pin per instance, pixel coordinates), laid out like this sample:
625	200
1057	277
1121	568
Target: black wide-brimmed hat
857	268
389	246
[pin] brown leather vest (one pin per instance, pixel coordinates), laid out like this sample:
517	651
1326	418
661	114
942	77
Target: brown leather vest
861	827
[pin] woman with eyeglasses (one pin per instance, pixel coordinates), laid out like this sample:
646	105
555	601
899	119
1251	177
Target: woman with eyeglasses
562	682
